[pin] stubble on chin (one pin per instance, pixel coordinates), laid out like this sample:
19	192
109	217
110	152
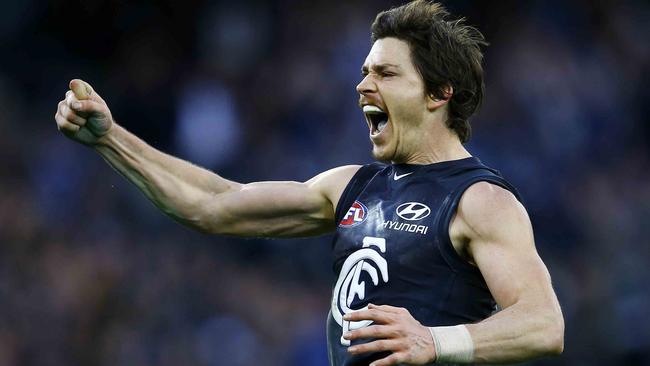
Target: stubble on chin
380	156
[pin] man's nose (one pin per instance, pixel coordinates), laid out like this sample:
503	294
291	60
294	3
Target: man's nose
366	86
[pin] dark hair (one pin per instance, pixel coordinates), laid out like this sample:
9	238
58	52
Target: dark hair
446	52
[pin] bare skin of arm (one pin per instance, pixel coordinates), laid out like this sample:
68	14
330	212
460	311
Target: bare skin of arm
491	228
198	197
500	242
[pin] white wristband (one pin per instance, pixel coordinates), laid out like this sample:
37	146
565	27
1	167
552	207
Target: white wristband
453	344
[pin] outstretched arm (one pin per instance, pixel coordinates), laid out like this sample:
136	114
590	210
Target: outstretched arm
195	196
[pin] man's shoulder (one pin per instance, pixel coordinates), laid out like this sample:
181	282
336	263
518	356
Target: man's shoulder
342	171
334	178
345	174
485	207
331	183
485	195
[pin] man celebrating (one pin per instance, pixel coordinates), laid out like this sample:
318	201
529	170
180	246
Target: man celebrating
427	244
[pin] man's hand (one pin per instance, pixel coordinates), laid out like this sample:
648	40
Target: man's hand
396	331
83	115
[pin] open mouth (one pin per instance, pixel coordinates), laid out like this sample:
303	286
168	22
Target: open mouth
376	117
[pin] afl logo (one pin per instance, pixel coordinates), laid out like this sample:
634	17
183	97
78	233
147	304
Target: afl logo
356	214
350	285
412	211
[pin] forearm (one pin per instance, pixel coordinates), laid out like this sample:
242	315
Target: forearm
520	332
175	186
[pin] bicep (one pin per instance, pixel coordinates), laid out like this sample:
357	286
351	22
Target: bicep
501	243
279	209
502	246
513	271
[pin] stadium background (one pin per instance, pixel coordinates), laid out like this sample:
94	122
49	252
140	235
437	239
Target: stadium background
92	274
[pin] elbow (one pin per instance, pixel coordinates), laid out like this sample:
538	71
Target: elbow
195	218
193	222
209	225
553	336
207	217
557	345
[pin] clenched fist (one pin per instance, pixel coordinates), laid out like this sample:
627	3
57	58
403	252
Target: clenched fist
83	115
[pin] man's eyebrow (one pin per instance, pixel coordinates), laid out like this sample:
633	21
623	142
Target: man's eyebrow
378	67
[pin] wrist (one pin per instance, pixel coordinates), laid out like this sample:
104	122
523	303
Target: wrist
452	344
107	138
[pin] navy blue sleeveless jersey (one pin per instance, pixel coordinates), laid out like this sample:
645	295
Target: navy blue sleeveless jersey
392	247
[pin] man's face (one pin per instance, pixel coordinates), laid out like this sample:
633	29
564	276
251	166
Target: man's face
393	100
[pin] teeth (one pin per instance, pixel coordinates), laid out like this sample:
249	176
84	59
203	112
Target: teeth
376	116
372	109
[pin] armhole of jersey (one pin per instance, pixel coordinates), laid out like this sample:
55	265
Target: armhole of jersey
449	206
356	185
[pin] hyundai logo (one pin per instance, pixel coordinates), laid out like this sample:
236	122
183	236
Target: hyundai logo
412	211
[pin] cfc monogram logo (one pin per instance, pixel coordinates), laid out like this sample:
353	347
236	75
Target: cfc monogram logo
348	286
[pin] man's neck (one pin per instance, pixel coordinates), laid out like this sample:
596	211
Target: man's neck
437	147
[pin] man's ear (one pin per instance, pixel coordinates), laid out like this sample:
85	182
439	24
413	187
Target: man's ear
433	103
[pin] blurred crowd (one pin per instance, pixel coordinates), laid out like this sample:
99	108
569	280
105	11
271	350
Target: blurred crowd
92	274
